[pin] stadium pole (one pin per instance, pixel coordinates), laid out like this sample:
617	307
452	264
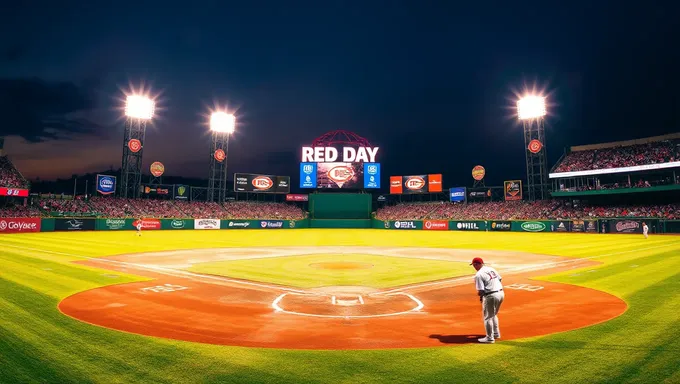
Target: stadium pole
138	111
531	110
222	125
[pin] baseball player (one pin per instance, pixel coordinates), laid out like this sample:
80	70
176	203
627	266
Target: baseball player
491	295
139	227
645	229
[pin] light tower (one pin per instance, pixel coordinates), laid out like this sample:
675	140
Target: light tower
222	125
138	111
531	111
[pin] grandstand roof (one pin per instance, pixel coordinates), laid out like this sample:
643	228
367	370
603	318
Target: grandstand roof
626	143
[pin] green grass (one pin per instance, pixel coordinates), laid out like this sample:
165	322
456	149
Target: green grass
303	272
40	345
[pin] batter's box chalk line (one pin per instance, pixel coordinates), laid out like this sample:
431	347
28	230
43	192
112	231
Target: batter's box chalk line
359	300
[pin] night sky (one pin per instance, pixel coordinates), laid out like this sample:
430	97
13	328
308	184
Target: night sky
432	83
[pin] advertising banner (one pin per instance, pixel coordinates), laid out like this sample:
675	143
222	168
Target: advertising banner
155	190
177	224
626	226
531	226
478	225
239	224
434	183
499	225
106	184
513	190
181	192
395	185
18	192
308	175
248	182
404	224
74	224
206	224
437	225
148	224
480	194
19	225
113	224
584	226
560	226
271	224
297	197
371	175
457	194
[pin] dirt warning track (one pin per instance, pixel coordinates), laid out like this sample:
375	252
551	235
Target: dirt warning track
210	309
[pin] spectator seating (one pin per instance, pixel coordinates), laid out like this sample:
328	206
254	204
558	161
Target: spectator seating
10	176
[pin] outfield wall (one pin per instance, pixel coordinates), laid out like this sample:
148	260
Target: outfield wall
613	225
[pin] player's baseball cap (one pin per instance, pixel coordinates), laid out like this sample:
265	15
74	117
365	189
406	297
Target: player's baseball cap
477	260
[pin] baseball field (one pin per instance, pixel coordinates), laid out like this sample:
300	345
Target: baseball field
335	306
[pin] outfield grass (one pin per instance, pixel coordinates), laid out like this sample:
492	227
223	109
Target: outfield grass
306	271
39	344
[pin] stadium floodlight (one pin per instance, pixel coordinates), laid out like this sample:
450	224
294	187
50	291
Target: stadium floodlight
531	107
139	107
222	122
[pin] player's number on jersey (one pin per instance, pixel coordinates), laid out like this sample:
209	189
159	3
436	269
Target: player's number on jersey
492	275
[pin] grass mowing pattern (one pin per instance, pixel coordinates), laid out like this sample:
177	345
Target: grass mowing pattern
298	271
39	344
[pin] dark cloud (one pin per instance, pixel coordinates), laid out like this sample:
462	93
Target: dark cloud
40	110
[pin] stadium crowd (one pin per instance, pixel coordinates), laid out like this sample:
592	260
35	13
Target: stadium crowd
619	157
9	176
158	209
517	210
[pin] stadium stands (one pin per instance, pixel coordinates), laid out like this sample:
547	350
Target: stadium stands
620	156
10	176
511	210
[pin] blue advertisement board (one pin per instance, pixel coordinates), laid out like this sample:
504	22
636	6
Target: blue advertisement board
371	175
308	175
457	194
106	184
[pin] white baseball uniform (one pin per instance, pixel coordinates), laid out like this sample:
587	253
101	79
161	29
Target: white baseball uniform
488	280
139	228
645	230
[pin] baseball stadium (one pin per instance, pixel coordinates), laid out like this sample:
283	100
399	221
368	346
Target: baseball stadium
242	281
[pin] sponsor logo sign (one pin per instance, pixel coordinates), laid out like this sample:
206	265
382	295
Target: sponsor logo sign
177	224
591	226
535	146
395	185
247	182
220	155
467	226
533	226
206	224
344	155
74	224
106	184
115	223
341	174
134	145
239	224
181	192
371	175
157	169
415	183
434	182
559	226
156	190
148	224
271	224
307	175
297	197
441	225
478	172
500	225
513	190
457	194
625	226
479	194
18	192
15	225
404	225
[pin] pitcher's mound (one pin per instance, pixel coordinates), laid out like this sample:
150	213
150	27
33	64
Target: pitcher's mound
341	265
